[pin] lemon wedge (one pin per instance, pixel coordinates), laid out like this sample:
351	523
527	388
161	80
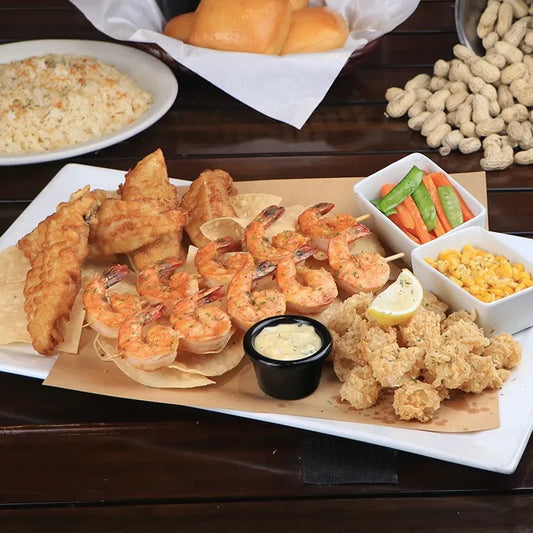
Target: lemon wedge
398	301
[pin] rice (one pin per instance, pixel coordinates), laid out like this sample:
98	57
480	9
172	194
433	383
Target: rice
58	100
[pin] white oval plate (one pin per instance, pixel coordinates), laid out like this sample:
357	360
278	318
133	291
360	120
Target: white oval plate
150	73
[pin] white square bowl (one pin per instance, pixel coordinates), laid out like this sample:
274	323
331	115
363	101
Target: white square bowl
369	189
512	313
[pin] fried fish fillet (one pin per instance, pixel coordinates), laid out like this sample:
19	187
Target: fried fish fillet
124	226
74	213
207	198
56	248
51	287
149	179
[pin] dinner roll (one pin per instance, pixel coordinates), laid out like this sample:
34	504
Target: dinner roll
180	27
298	4
315	29
259	26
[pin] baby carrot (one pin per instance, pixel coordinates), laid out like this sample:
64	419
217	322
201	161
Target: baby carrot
420	229
441	180
396	219
403	213
432	188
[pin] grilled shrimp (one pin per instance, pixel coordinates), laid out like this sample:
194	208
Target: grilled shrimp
217	264
149	348
203	326
104	310
361	272
161	282
321	229
246	306
258	244
306	290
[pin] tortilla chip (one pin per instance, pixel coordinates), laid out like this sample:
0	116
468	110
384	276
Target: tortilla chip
224	227
212	364
14	265
12	315
164	378
251	204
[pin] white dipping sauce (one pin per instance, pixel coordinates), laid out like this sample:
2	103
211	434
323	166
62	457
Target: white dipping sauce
288	342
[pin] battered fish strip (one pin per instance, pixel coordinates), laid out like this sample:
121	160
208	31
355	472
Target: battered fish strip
149	179
74	213
207	198
56	248
124	226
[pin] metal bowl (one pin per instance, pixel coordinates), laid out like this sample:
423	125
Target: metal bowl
467	13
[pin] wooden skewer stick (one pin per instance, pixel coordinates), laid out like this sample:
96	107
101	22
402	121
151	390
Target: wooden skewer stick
394	257
363	217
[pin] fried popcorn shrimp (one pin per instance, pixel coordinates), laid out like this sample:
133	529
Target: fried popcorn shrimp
393	366
416	401
350	311
422	330
349	346
466	335
483	374
504	351
448	365
456	316
360	389
431	303
376	338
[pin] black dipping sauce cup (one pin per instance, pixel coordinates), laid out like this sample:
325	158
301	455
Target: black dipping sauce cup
288	380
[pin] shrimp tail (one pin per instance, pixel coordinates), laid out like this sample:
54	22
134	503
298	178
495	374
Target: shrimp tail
211	295
263	269
358	231
269	215
323	208
114	275
153	312
303	252
228	244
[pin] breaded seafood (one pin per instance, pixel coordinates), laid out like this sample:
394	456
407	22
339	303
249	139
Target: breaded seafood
206	199
81	206
422	359
416	400
124	226
56	248
149	180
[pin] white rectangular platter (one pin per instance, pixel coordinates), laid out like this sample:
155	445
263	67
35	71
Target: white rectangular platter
498	450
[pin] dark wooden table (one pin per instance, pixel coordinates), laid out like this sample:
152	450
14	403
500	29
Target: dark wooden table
80	462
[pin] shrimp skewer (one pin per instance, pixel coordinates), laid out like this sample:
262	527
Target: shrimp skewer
147	350
246	306
255	237
203	327
321	229
161	282
216	265
105	311
306	290
361	272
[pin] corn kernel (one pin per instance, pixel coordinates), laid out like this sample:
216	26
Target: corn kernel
486	276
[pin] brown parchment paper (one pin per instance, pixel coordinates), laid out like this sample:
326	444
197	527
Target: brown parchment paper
238	389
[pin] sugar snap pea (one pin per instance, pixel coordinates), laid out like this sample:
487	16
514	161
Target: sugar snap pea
425	205
401	191
450	204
